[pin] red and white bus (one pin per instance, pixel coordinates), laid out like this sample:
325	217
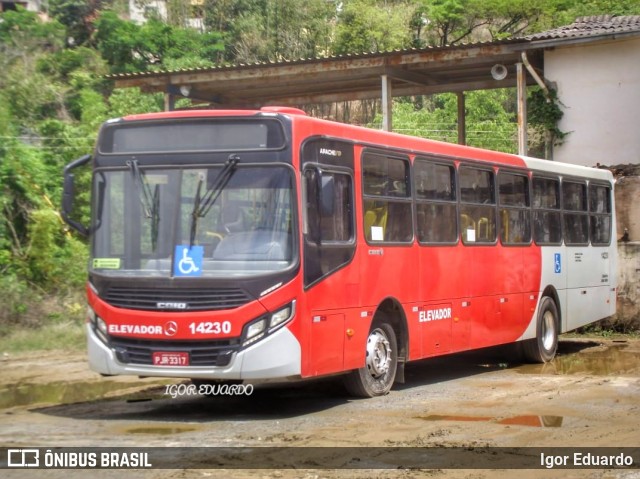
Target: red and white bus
251	245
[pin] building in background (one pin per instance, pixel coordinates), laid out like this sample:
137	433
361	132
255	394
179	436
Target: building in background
30	5
594	63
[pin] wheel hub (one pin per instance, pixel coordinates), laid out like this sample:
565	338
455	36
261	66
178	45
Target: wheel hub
548	330
378	353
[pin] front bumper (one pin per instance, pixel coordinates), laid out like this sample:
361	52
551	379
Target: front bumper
277	356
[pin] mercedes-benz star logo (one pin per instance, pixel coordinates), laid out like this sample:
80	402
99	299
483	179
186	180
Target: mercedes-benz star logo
170	328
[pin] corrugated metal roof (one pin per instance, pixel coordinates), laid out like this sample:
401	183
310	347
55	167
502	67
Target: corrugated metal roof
592	26
301	61
424	71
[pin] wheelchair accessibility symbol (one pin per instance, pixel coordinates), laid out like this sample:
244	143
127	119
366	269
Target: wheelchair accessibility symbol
188	261
557	263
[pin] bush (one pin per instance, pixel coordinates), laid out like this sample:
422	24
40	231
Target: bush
56	259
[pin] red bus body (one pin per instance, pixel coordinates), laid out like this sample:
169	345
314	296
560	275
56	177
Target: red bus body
438	298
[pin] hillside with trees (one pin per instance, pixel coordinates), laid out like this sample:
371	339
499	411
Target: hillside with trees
54	95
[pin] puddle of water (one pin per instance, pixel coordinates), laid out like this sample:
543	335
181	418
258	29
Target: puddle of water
160	430
60	392
436	417
533	421
530	421
604	361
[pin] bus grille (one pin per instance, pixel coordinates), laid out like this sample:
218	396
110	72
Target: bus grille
201	353
190	299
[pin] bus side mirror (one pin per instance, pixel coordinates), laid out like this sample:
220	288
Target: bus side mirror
68	195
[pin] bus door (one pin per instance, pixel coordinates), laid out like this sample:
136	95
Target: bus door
331	285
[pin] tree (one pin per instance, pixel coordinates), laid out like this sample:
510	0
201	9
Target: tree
373	26
45	91
490	118
271	30
128	47
77	16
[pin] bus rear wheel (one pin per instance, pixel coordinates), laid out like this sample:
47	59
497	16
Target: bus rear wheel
543	347
381	361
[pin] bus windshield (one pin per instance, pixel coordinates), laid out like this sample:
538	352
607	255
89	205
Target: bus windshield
229	220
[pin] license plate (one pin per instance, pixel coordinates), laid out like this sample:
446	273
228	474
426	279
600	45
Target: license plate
170	359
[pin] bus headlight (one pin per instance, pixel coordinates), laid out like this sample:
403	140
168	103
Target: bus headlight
282	316
254	332
98	324
267	324
102	326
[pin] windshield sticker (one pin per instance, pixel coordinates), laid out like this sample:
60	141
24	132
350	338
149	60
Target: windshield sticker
188	261
377	233
106	263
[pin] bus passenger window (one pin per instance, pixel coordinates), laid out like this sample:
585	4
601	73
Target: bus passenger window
547	224
477	206
576	217
515	219
386	199
436	214
600	210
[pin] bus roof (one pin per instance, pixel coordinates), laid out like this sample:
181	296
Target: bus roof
568	169
372	137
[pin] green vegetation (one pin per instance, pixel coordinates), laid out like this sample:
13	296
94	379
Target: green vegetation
54	96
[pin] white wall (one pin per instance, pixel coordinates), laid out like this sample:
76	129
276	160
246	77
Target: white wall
599	86
138	10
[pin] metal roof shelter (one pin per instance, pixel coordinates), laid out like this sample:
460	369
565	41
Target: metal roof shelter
426	71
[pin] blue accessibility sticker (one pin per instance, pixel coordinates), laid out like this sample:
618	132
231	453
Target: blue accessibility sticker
187	261
557	263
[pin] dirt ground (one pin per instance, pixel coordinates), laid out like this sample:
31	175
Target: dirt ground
589	396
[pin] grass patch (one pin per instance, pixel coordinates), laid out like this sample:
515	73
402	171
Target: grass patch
68	336
32	320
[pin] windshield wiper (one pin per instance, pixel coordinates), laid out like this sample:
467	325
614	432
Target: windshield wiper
150	201
202	205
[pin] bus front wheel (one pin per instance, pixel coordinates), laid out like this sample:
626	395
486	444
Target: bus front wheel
381	361
543	347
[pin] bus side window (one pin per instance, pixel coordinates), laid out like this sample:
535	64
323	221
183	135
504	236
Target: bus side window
386	199
547	224
600	214
515	218
435	192
477	205
576	217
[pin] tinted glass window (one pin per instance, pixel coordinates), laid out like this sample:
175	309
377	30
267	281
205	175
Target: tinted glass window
547	218
600	219
436	208
546	193
574	196
387	199
515	217
434	181
576	221
329	223
477	208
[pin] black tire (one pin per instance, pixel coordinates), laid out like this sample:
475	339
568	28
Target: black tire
543	347
379	371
